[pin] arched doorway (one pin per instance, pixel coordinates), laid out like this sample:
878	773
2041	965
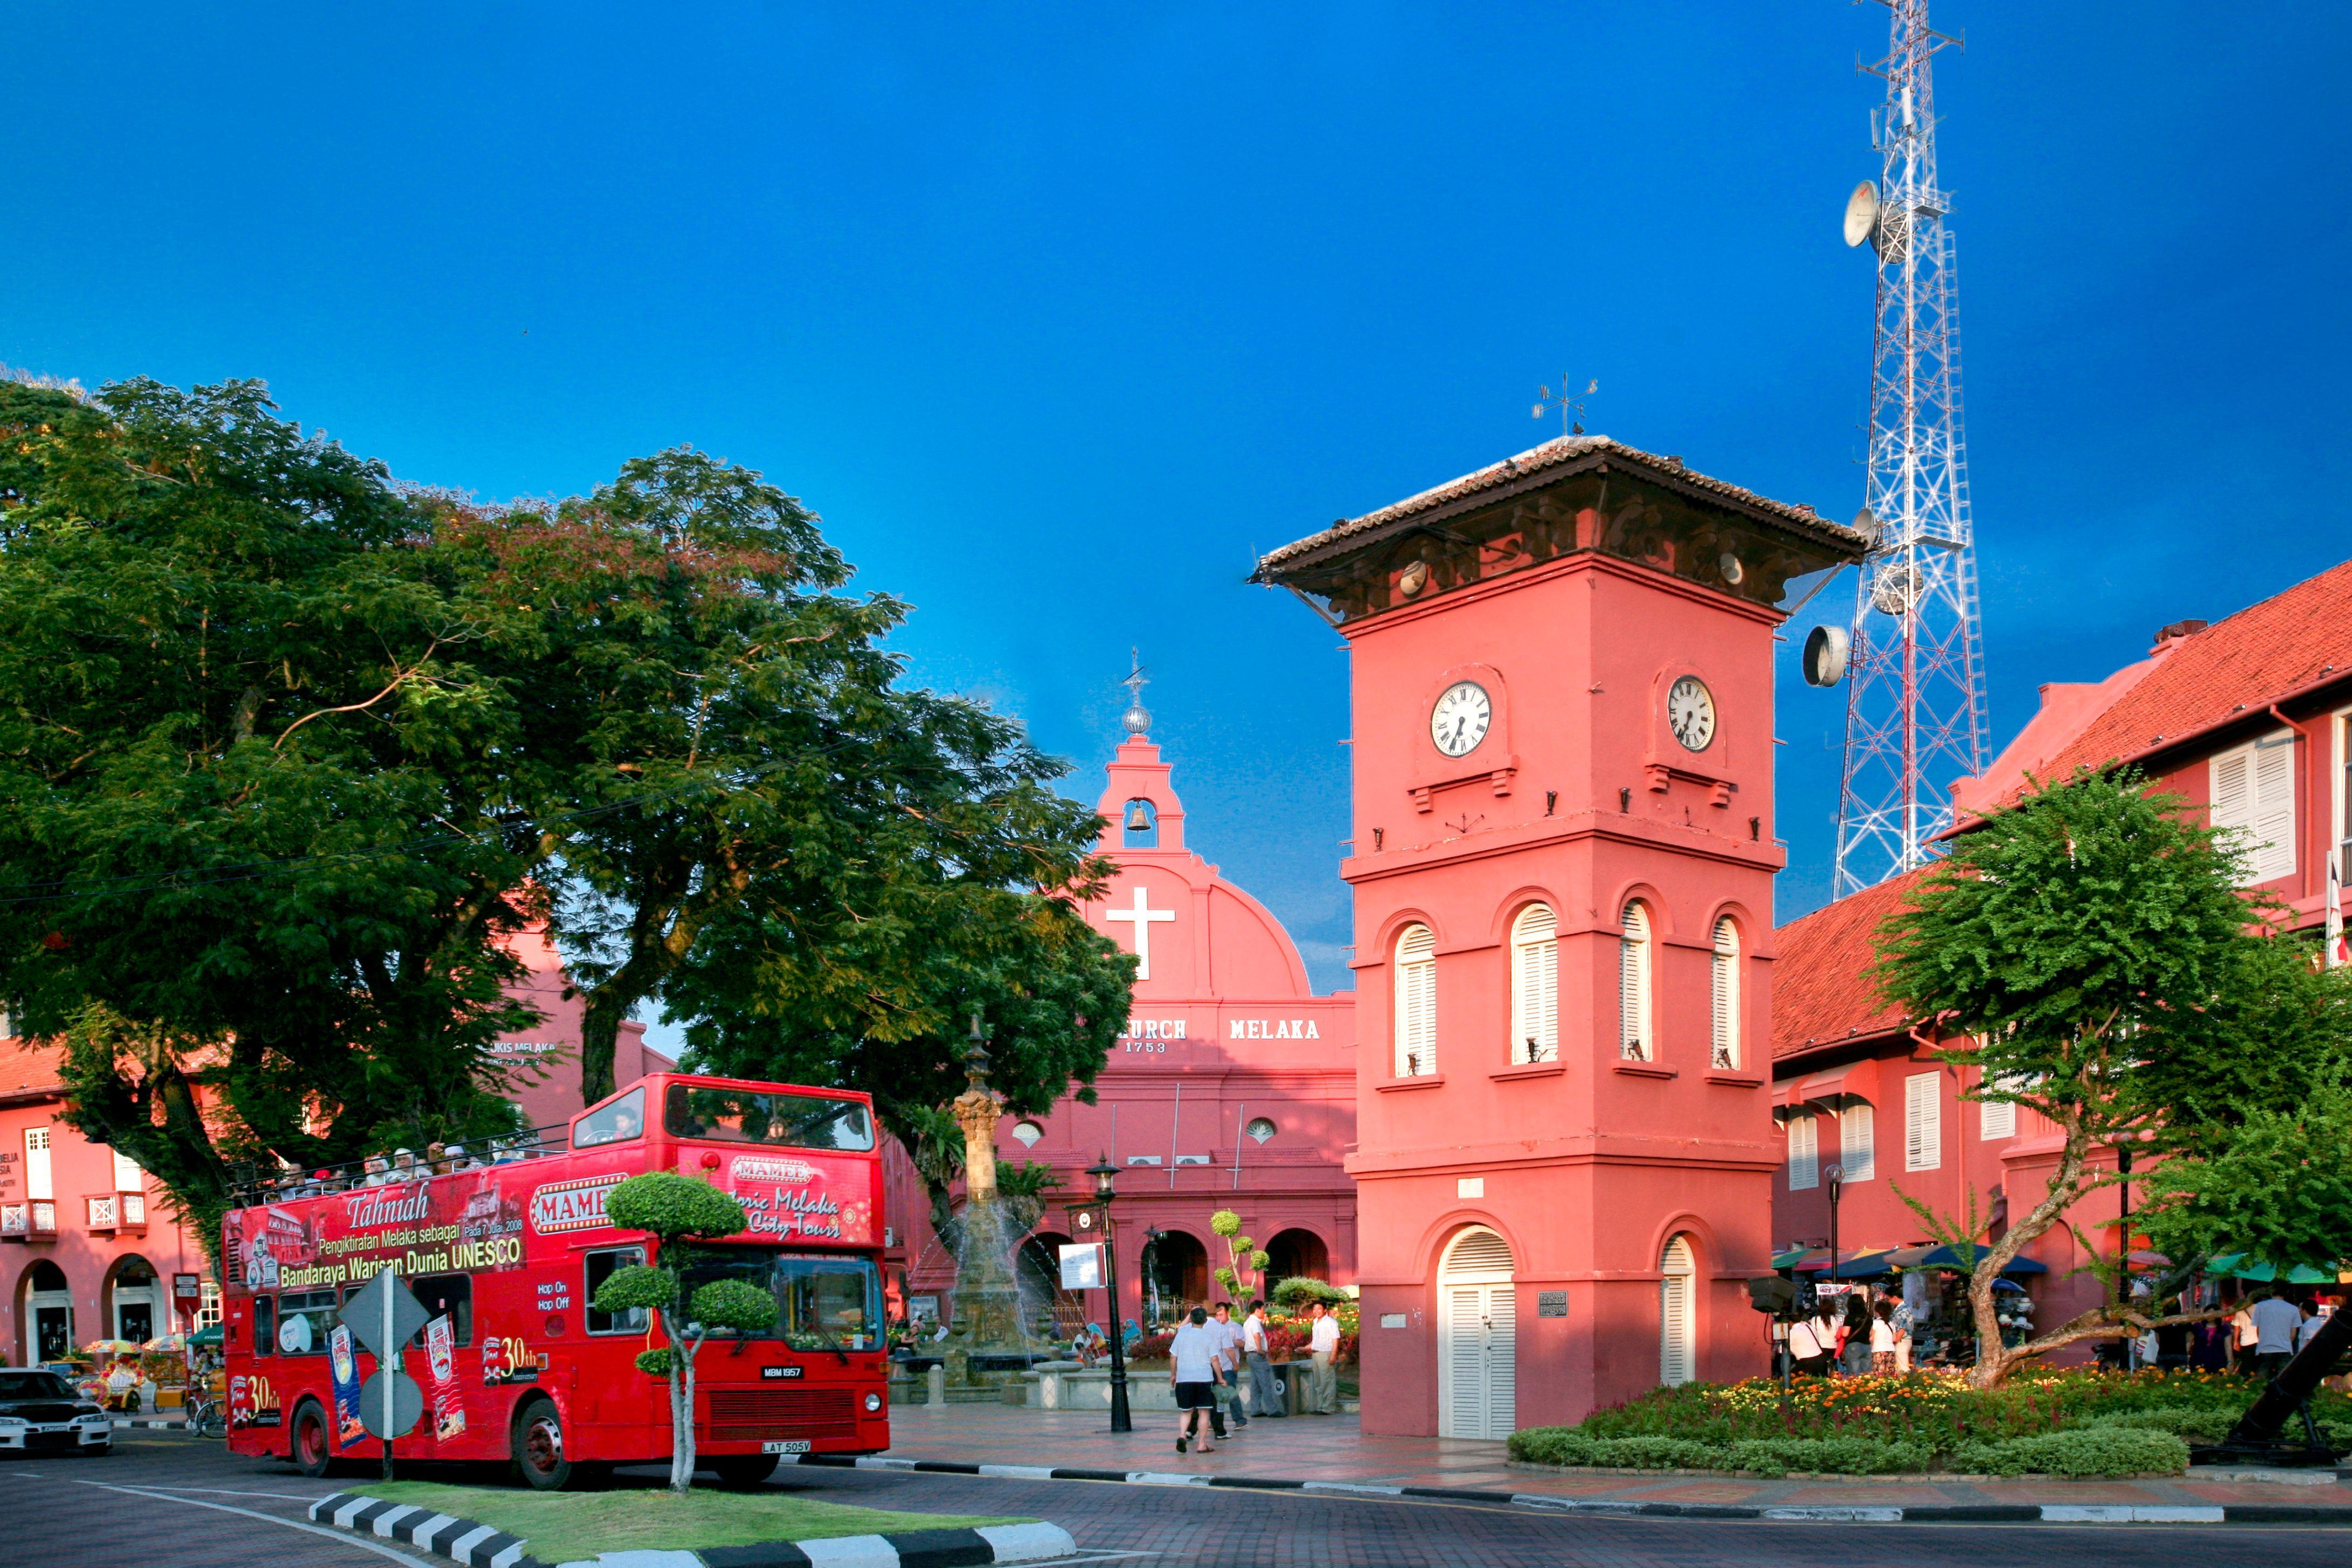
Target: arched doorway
1478	1337
48	1312
1677	1311
134	1306
1051	1312
1175	1276
1293	1253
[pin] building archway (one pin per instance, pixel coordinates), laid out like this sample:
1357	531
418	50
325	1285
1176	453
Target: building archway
1175	1275
1677	1313
1478	1337
1050	1311
131	1300
47	1312
1290	1254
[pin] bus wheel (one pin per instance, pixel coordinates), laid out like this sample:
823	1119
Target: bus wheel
744	1469
309	1443
538	1448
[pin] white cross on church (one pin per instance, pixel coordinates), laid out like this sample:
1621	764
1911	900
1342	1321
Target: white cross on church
1143	917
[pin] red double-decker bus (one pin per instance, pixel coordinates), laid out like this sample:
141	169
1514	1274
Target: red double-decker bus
506	1247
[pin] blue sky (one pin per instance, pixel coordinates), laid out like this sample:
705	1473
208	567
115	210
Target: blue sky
1056	313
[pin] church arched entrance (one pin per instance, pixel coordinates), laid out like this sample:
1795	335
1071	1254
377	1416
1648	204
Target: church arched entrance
134	1301
1175	1275
1677	1313
1291	1254
1053	1312
1478	1337
48	1312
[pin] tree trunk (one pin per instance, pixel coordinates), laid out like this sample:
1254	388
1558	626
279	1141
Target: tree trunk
600	1033
681	1405
1995	1361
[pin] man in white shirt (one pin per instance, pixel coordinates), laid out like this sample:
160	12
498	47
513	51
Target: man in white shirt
1261	1370
2277	1322
1193	1373
1323	1344
1231	1364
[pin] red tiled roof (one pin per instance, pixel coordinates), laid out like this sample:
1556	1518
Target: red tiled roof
1822	992
28	1068
2289	642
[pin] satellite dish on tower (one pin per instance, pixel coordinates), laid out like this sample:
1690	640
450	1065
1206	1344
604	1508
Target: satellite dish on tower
1827	648
1860	213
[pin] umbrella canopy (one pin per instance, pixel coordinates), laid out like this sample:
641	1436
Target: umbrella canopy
165	1343
2238	1266
205	1338
1949	1257
111	1347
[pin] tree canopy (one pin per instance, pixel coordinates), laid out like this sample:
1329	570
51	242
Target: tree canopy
2090	951
291	753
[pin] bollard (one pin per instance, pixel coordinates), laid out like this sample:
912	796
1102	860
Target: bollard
935	1389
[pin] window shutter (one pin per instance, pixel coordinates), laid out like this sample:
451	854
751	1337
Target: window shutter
1725	1050
1996	1118
128	1176
1416	1002
1535	986
2271	810
1675	1356
2230	789
1804	1158
1634	1039
37	1182
1858	1141
1923	1131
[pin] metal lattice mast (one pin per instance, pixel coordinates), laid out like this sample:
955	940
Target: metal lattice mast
1915	699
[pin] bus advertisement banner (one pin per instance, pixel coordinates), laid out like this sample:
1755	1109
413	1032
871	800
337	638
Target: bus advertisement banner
795	1196
449	1397
469	1222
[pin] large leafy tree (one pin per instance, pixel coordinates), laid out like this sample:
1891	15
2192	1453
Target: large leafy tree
2090	952
252	804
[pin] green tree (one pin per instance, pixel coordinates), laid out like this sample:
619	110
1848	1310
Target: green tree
1239	1273
676	1211
2090	952
257	843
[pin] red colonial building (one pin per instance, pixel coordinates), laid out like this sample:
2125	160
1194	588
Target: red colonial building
1563	860
2246	721
1233	1087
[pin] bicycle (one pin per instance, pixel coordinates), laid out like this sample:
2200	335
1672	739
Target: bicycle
207	1417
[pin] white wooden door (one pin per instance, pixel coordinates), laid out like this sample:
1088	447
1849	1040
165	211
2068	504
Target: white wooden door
1480	1351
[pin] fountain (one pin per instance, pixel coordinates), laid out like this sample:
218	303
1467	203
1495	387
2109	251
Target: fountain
989	1344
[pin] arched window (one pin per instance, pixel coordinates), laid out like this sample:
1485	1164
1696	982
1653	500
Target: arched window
1724	1054
1636	1041
1416	1002
1677	1328
1028	1133
1535	986
1259	1128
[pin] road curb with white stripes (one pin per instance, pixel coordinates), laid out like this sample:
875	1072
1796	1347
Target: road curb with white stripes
479	1546
1932	1513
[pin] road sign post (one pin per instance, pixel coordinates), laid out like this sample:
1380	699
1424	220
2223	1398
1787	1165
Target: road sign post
383	1316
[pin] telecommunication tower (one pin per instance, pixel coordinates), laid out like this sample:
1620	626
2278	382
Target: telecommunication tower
1914	715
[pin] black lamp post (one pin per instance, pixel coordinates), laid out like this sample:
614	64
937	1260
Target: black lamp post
1835	1180
1104	1172
2123	1251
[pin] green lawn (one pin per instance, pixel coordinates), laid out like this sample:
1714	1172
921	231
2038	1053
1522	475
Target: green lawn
566	1527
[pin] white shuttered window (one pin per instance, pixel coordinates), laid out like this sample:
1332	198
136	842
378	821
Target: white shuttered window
1858	1141
1804	1151
1725	1052
1636	1042
1677	1336
2253	800
38	1183
1923	1122
1535	986
1996	1118
1416	1002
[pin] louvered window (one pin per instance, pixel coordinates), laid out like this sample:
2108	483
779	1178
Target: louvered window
1804	1151
1478	1251
1725	1053
1416	1002
1923	1122
1996	1118
1676	1327
1535	986
1858	1141
1636	1042
2253	803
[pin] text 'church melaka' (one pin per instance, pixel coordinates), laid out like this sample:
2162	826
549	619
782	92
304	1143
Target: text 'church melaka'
1538	1135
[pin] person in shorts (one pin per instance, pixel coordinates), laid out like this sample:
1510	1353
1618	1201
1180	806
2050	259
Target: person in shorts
1193	1357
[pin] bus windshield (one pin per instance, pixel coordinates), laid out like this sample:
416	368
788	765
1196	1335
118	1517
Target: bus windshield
748	1116
823	1303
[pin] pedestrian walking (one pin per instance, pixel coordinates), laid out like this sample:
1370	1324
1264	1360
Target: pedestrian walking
1231	1392
2276	1320
1811	1344
1193	1372
1261	1370
1323	1346
1882	1338
1905	1321
2244	1336
1853	1350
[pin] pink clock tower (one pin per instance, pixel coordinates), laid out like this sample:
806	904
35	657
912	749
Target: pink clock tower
1563	861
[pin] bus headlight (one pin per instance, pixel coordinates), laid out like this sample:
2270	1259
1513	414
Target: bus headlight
873	1402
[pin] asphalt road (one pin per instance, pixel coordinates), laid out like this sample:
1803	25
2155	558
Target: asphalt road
164	1500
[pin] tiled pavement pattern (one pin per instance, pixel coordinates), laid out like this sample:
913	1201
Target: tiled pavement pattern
1333	1448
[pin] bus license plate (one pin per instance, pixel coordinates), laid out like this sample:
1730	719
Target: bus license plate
786	1445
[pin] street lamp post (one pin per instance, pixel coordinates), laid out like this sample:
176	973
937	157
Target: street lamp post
2123	1252
1835	1180
1104	1172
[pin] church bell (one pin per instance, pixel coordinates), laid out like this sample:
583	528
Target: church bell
1138	817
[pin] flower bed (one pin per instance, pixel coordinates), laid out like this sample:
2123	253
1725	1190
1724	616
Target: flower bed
2068	1423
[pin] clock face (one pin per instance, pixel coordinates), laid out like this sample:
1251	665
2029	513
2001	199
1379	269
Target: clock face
1690	713
1459	720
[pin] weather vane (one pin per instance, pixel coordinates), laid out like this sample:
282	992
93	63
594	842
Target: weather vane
1571	407
1137	718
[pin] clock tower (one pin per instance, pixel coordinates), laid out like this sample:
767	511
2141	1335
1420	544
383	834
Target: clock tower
1562	869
